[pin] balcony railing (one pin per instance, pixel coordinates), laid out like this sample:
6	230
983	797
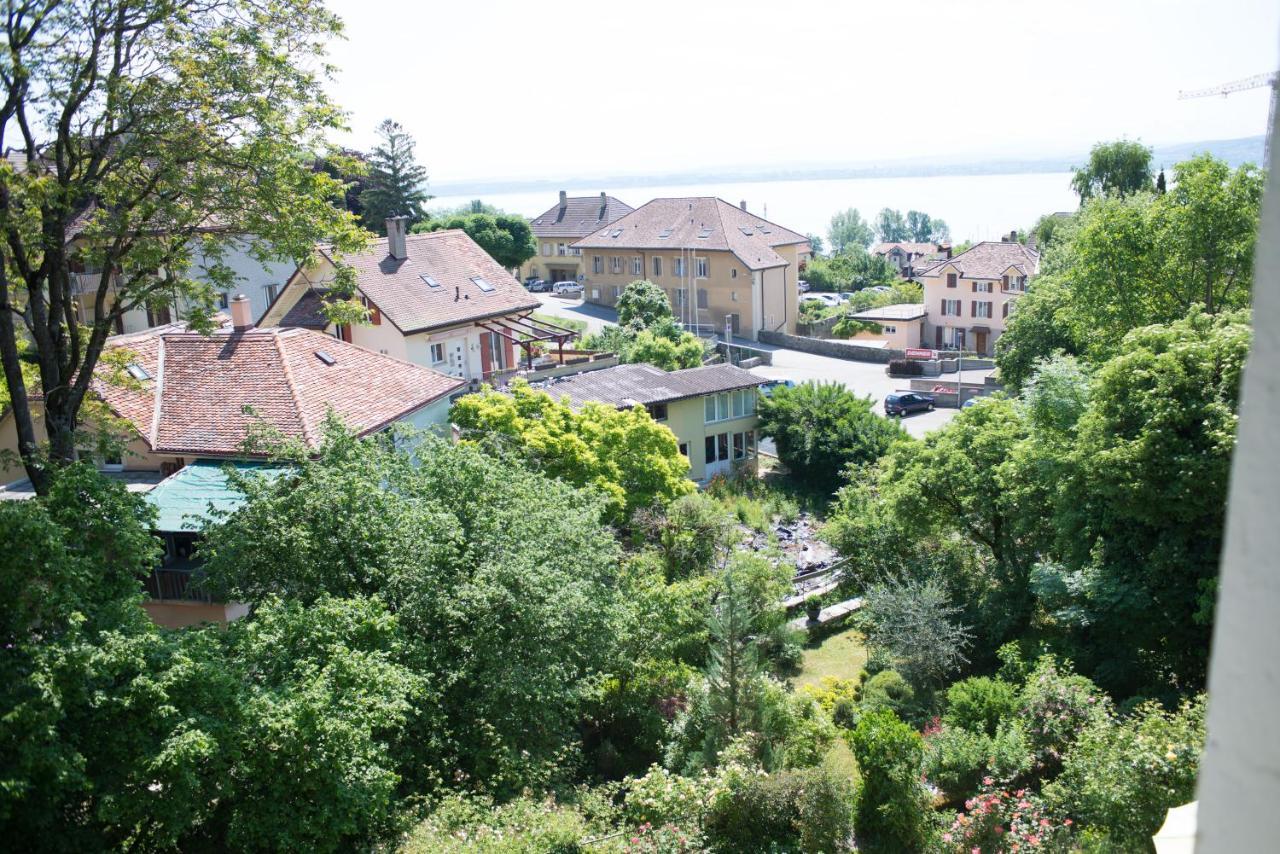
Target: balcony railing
177	585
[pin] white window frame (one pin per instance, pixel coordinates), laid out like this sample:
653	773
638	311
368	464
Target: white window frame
442	356
657	266
637	265
597	264
677	266
701	268
615	264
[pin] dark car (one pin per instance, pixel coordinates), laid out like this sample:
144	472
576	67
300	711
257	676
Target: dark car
905	401
767	388
539	286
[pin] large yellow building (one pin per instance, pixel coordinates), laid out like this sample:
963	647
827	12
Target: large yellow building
720	265
571	219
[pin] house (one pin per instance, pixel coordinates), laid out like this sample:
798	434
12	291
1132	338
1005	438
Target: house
897	327
434	299
711	410
191	404
908	256
968	298
561	226
720	265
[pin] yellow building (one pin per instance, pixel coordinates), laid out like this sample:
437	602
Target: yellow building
570	220
720	265
899	327
968	298
711	410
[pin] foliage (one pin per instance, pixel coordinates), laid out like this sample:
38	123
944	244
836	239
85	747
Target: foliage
815	244
888	691
820	428
848	230
633	461
141	123
689	534
979	703
1115	168
890	804
647	331
956	760
848	327
642	305
1040	329
999	821
1057	395
756	502
891	226
905	367
806	810
851	269
1122	775
911	624
923	228
396	184
1055	705
668	352
527	825
733	674
506	237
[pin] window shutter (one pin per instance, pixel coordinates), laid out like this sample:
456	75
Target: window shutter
1004	282
951	280
974	287
1004	312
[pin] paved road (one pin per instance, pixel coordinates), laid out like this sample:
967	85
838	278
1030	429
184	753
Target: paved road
596	317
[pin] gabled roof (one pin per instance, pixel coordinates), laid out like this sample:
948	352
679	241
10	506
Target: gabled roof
989	260
628	385
703	222
579	216
914	248
400	290
202	393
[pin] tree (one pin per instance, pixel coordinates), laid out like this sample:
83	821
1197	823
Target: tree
643	305
1118	168
923	228
849	229
733	672
671	353
815	244
508	239
396	185
852	269
1041	327
1161	188
142	124
821	428
891	226
632	460
911	624
351	167
890	805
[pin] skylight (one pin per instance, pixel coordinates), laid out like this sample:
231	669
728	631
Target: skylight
664	234
482	284
704	233
745	229
764	229
431	283
138	372
326	357
617	232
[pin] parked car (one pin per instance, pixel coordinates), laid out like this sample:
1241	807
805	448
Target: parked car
804	286
879	289
767	388
845	296
539	286
567	288
825	299
900	403
970	402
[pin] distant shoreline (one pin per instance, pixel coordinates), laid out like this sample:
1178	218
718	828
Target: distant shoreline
1234	151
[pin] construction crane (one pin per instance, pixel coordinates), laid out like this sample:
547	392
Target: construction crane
1257	81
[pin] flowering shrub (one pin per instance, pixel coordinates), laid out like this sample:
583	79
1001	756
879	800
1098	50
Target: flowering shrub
662	798
667	839
956	760
1056	705
998	821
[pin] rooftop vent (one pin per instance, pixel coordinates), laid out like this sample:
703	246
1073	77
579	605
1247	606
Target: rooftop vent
138	372
326	357
482	284
431	283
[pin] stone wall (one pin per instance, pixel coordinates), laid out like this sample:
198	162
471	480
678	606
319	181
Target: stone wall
834	348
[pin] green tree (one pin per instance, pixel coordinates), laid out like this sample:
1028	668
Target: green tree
643	305
396	185
1040	328
683	351
852	269
923	228
508	239
911	624
848	229
733	670
820	428
815	244
632	460
891	226
890	805
1118	168
141	124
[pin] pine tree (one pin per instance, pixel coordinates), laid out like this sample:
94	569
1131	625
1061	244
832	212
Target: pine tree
1160	186
733	672
396	182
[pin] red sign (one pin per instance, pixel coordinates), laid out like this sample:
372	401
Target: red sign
918	353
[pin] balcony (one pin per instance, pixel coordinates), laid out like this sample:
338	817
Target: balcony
177	584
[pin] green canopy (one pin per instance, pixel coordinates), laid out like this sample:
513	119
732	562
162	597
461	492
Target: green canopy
183	500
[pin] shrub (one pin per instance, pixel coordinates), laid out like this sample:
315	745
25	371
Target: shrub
888	691
1120	776
956	760
663	798
805	810
1056	704
979	704
890	807
463	823
906	368
1000	821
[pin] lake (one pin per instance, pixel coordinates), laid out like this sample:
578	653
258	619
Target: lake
976	207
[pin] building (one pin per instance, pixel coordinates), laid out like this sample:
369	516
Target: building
192	404
908	256
968	298
720	265
561	226
899	327
711	410
434	299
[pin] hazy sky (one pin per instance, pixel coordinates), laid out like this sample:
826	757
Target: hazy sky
499	88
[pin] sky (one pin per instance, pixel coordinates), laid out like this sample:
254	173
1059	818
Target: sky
499	89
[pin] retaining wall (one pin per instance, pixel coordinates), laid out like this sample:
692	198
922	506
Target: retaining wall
833	348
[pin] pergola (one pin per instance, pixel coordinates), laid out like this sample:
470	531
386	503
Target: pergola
525	331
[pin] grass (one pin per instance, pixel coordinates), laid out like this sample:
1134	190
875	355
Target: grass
841	655
578	326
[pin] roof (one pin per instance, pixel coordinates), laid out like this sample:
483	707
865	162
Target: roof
203	393
307	312
915	248
134	481
579	216
990	260
643	384
453	261
189	499
703	222
899	311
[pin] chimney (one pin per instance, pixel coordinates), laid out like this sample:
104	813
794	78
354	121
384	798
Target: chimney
396	228
946	247
241	313
564	199
604	198
743	204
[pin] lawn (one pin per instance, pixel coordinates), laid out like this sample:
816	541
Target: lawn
841	655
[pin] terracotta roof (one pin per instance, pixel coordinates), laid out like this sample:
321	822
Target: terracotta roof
306	312
451	259
579	216
199	388
703	222
914	248
628	385
989	260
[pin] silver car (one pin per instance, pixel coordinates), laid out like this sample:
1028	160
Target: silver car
567	288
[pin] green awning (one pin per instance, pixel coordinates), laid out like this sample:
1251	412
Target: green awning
183	500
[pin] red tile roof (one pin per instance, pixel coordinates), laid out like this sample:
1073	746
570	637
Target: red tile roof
205	392
697	223
989	260
910	247
579	216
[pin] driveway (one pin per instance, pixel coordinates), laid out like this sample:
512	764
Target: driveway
597	317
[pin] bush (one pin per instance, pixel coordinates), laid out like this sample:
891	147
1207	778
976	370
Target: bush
1000	821
805	810
891	806
463	823
906	368
980	703
888	691
956	760
1056	704
663	798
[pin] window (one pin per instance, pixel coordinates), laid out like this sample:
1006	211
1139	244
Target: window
617	232
679	298
739	446
597	264
983	287
722	446
700	268
595	293
684	450
138	372
223	301
709	449
677	266
704	233
617	291
702	298
546	249
615	263
272	290
658	411
664	234
951	307
733	274
726	405
637	266
1004	310
657	267
111	461
733	296
482	284
431	283
888	330
951	280
437	354
751	441
981	309
562	249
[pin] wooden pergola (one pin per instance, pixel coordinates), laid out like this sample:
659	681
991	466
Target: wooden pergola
525	331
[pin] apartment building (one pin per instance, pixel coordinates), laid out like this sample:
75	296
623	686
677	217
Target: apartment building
909	256
968	298
720	265
556	230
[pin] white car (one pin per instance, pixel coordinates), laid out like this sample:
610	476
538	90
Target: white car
825	299
567	288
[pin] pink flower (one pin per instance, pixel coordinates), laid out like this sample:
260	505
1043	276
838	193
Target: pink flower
1044	822
987	781
1067	822
946	837
999	830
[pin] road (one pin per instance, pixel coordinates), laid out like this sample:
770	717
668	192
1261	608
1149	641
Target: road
863	378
